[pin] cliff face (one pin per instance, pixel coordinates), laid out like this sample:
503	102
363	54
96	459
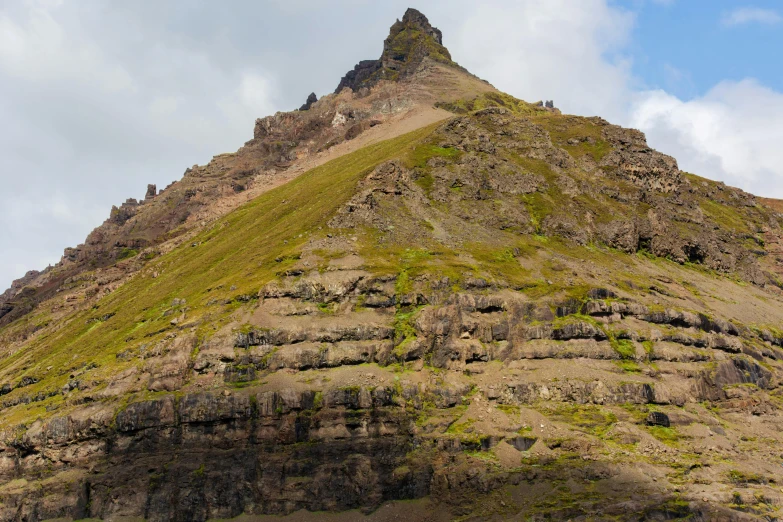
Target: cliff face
489	308
213	455
477	390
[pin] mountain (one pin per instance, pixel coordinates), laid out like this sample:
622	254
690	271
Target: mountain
415	297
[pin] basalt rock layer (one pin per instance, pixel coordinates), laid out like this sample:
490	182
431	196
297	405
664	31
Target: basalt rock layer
503	313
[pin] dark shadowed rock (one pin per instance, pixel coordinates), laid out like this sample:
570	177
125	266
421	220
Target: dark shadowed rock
656	418
152	191
310	101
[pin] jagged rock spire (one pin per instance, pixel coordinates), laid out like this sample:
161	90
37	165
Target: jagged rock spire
310	101
410	40
413	17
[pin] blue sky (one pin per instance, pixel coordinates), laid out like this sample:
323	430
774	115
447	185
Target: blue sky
100	98
688	46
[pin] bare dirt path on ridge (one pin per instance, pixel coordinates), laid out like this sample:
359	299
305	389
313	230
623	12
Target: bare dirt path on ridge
409	121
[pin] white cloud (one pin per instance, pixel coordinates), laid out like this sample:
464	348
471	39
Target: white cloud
256	93
748	15
162	106
549	49
96	107
55	207
36	47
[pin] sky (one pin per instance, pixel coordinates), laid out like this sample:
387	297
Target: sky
98	99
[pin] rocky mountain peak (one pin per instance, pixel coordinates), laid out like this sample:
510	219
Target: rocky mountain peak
410	40
416	19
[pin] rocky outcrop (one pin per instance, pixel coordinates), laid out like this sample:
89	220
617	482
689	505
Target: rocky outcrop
152	191
311	99
495	155
167	457
19	299
360	76
410	40
634	160
120	216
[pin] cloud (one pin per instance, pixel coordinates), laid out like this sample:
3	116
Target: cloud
254	95
750	15
732	133
94	107
36	47
550	49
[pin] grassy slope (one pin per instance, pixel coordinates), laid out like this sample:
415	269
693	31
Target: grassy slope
776	204
239	254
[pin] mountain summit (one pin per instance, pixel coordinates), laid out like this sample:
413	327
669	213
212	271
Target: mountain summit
417	288
409	41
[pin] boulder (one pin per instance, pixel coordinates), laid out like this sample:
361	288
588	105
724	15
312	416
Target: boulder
656	418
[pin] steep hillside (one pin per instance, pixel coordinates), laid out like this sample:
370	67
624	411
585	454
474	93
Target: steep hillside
283	146
434	293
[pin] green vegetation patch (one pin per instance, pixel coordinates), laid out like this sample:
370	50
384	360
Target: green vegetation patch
629	366
405	43
668	436
727	217
591	419
502	263
538	207
624	347
639	412
404	328
577	135
490	99
535	166
420	156
126	253
460	428
326	308
744	478
509	409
